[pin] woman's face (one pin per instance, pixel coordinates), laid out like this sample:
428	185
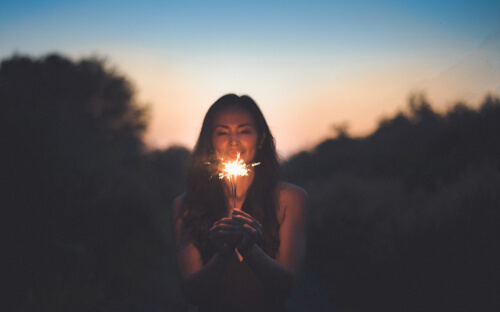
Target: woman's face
235	132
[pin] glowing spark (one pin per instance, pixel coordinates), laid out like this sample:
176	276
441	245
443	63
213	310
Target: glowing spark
231	170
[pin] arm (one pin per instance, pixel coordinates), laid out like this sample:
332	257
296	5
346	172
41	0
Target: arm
280	274
197	280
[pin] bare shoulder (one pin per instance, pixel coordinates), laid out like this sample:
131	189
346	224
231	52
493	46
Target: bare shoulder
177	206
288	192
179	199
292	199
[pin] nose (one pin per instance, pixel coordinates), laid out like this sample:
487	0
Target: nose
234	139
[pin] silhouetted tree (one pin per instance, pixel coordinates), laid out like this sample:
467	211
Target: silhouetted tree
87	217
406	218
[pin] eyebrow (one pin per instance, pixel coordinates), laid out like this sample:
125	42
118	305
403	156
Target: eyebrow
240	126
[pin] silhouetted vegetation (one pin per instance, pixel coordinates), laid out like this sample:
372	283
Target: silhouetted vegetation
86	207
405	219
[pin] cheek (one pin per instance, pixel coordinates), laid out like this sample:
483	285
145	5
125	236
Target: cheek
217	143
252	142
256	141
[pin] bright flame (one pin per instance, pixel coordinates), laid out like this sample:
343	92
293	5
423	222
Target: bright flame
232	169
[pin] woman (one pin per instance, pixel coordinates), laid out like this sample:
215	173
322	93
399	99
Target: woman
247	258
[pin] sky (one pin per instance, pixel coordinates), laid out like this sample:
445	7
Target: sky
310	65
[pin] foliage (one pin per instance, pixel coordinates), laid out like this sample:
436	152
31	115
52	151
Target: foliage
87	207
406	219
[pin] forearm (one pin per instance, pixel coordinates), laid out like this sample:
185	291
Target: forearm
199	285
277	277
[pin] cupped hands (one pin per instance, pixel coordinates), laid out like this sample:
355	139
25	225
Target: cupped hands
225	234
252	230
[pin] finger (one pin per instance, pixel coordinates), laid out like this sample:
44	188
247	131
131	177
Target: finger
249	230
227	227
255	233
233	223
239	213
223	235
239	216
245	220
225	224
223	221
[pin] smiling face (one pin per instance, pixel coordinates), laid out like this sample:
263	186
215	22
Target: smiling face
234	132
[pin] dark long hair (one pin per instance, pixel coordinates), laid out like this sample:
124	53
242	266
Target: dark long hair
205	201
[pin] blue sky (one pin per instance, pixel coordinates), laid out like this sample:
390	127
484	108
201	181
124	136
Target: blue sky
309	64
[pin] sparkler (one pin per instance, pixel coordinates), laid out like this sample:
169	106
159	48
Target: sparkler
231	170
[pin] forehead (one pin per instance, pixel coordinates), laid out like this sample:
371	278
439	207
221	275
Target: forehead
233	116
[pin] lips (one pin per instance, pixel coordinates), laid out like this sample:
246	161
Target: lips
233	153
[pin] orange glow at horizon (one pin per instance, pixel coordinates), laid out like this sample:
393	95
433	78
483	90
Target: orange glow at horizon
300	111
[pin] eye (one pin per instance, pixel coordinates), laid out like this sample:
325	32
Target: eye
221	133
246	130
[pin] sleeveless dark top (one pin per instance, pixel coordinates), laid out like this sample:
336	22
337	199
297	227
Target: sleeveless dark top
240	289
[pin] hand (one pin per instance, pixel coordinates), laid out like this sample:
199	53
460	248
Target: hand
252	230
225	234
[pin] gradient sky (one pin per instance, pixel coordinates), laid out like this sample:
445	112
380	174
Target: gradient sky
309	65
